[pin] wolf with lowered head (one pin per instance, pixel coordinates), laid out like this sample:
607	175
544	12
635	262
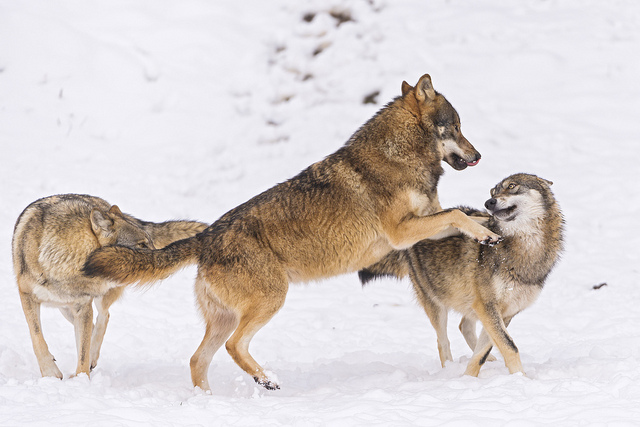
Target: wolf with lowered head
52	239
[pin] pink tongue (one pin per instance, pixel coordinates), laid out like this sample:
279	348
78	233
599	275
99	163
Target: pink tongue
473	163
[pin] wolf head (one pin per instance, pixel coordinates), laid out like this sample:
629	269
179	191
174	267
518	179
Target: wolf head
113	228
439	118
519	201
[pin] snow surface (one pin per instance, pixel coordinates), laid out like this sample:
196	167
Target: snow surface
186	109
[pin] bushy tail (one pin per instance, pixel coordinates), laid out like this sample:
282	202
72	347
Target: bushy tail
394	264
168	232
142	266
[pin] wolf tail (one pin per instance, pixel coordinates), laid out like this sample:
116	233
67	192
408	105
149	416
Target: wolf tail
170	231
394	264
142	266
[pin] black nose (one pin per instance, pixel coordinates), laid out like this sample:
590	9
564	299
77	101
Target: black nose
490	204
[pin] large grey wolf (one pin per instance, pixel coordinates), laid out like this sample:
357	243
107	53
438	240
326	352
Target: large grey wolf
376	193
51	241
491	284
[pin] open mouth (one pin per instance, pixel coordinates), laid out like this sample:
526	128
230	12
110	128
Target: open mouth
506	214
458	163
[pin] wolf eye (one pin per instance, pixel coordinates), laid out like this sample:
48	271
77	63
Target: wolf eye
511	186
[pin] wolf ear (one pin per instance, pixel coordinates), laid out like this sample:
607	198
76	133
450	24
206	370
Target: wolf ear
406	88
101	224
115	210
424	89
546	181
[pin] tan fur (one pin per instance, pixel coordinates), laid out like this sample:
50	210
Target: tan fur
51	241
376	193
490	284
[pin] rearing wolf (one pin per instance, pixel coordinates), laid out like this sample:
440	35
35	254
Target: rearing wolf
376	193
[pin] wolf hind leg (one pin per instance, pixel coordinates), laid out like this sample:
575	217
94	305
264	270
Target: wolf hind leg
444	346
438	317
436	313
102	320
482	354
254	316
218	329
468	328
67	313
238	345
46	361
220	323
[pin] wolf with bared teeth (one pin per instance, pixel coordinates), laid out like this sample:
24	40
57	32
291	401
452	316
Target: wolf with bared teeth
490	284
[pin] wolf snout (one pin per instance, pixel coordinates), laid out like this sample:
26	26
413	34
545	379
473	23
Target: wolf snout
469	161
475	160
491	204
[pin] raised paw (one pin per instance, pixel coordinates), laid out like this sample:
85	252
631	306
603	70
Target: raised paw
494	242
491	240
268	384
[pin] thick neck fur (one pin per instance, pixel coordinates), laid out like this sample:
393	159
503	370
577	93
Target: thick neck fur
396	135
533	243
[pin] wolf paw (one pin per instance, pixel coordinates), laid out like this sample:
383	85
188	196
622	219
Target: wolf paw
490	240
495	242
50	369
268	384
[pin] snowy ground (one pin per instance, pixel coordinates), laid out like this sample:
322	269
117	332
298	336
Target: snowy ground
186	109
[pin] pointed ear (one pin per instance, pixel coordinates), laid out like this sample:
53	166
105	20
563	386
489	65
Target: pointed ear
424	89
100	224
406	88
546	181
115	210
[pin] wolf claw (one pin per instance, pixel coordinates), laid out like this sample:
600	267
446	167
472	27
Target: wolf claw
495	242
269	385
489	242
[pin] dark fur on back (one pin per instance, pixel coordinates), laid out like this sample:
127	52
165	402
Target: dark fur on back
397	264
511	256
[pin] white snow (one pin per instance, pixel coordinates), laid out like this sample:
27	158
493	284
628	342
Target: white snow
186	109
